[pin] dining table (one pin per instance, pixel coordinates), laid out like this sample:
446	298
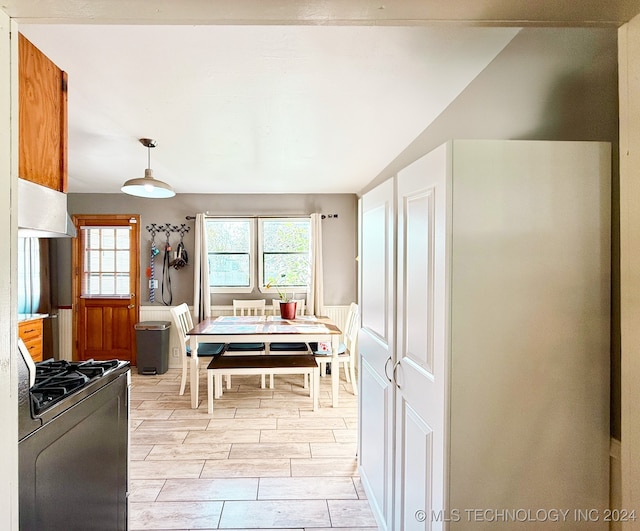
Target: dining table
264	329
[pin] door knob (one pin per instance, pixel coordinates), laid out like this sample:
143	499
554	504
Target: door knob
395	379
386	364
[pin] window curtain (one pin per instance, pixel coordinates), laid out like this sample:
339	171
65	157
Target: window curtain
201	294
315	295
34	277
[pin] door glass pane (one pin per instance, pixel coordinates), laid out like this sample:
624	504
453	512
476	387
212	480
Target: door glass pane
108	238
94	284
108	284
94	239
122	238
107	261
93	261
122	284
122	261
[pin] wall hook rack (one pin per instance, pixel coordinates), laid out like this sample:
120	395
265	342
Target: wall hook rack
167	228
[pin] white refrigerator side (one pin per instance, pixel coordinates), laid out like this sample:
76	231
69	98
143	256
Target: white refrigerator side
530	313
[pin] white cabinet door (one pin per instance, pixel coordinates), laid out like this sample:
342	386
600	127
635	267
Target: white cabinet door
375	347
421	370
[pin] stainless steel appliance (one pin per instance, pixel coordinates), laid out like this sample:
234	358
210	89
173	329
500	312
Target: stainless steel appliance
73	444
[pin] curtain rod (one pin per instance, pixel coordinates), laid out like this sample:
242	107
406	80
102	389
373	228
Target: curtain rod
256	217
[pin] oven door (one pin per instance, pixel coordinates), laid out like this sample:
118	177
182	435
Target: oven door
73	469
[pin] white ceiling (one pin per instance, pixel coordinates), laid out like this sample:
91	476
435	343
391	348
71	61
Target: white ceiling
306	97
255	108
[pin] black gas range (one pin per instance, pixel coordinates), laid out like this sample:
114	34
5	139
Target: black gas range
73	444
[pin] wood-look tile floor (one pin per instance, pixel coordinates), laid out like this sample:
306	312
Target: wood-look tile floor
264	460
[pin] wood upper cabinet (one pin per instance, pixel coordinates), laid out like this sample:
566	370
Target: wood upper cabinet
42	95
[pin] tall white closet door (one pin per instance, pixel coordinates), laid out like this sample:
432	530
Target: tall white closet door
421	368
375	347
488	401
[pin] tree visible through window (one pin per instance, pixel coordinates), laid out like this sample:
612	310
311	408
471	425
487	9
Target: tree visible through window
281	254
229	248
285	252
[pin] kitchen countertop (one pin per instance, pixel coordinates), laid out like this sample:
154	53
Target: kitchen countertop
31	316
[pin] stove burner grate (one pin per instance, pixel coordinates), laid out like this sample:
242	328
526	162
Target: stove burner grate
55	380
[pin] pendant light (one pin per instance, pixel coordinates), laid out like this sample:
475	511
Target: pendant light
147	186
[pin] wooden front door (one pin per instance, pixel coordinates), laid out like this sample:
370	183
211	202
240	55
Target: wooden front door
106	284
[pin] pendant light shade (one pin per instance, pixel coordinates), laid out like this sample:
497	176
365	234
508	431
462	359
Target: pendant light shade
147	186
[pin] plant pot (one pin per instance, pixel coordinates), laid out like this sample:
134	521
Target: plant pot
288	310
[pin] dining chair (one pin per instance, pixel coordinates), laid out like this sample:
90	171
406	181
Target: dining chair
346	351
251	307
248	308
183	322
288	348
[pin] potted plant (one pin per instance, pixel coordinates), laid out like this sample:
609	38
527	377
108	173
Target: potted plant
287	304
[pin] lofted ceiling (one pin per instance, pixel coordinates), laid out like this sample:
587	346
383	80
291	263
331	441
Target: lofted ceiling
299	97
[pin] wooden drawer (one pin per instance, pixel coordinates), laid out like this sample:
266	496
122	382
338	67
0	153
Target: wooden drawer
31	333
30	329
34	346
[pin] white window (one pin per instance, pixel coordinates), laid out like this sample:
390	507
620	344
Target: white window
238	261
230	245
284	255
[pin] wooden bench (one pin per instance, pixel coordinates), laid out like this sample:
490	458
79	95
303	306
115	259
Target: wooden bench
261	364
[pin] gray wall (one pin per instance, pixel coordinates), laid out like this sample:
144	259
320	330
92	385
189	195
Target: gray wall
547	84
339	235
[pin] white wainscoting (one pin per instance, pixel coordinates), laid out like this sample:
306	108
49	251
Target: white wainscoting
163	313
338	314
65	334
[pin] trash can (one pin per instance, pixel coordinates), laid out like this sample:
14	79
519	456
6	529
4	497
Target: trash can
152	339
